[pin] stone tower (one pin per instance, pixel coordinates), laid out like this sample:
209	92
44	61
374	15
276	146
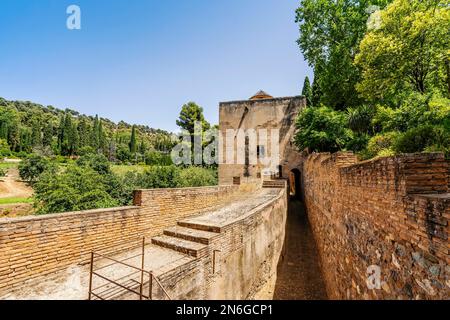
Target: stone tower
261	111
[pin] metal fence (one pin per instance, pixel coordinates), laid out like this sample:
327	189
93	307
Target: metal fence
136	282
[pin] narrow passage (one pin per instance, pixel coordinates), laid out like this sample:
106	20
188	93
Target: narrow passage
299	276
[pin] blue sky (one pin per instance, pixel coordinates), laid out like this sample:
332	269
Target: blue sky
140	60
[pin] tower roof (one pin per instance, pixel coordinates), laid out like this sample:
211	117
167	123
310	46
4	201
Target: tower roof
261	95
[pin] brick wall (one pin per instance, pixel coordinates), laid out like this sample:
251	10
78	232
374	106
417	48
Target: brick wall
392	213
244	254
31	247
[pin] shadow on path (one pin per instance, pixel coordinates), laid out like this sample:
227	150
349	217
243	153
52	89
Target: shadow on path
299	276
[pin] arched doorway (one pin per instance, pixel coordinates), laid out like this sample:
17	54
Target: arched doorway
294	182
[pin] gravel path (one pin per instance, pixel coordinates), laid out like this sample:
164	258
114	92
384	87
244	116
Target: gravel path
10	187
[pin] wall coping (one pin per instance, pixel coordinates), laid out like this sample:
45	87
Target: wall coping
187	189
228	103
4	221
405	156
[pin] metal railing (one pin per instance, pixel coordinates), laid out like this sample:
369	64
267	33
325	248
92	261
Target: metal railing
133	283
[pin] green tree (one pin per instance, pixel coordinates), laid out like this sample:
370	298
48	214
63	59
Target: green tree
360	118
133	143
76	188
32	168
5	151
407	51
36	133
190	113
197	177
322	129
307	92
330	32
47	138
95	138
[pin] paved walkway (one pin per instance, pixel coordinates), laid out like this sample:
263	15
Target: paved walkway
299	275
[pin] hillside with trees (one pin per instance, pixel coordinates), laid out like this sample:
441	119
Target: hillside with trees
27	127
79	162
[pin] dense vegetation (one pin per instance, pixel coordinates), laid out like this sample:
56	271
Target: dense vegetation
27	127
67	157
381	76
89	182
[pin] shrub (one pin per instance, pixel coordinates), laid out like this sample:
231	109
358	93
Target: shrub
359	119
420	138
381	143
31	168
358	142
77	188
160	177
98	162
197	177
155	158
4	148
2	172
322	129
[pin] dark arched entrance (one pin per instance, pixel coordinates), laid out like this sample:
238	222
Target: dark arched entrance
294	182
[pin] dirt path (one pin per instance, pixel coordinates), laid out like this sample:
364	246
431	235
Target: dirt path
10	187
299	276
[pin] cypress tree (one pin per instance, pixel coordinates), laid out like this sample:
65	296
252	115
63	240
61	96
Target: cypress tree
36	134
48	135
307	92
132	144
94	134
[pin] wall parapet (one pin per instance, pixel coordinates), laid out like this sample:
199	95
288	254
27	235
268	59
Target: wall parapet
33	247
389	212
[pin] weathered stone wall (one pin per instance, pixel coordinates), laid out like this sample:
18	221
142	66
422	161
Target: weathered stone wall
389	212
32	247
269	114
241	262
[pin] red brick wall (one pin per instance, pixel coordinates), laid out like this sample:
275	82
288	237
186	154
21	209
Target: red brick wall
392	213
31	247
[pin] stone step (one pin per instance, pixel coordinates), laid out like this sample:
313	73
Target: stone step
190	234
273	184
193	249
191	224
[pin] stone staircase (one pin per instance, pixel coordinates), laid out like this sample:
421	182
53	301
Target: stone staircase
188	238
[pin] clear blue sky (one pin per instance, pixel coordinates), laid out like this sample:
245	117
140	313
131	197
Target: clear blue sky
140	60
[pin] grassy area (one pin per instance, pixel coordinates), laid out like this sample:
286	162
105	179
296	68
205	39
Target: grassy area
8	165
123	169
15	200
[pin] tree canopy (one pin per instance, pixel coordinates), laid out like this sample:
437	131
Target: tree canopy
330	32
407	50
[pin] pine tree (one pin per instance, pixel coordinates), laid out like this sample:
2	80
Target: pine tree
307	92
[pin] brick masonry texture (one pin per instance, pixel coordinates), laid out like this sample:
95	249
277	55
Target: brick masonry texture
240	263
389	212
32	247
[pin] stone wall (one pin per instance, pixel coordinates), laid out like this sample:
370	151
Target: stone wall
390	213
241	262
31	247
268	114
